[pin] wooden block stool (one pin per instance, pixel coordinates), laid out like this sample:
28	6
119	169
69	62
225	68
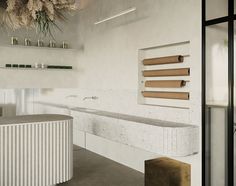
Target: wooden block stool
167	172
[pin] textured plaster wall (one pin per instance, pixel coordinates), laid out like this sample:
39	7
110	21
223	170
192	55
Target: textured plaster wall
106	61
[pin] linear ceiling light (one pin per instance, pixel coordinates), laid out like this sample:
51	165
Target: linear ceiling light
117	15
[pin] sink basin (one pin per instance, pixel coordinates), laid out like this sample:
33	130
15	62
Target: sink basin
90	110
84	109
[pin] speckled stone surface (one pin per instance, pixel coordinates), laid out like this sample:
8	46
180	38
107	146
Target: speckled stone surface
152	135
91	169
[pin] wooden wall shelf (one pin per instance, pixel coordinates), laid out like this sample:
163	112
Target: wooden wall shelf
164	60
166	84
165	75
167	72
166	95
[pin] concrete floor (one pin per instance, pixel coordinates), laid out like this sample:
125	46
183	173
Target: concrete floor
91	169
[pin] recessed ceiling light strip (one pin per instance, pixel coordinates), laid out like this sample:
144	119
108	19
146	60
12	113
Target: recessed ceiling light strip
117	15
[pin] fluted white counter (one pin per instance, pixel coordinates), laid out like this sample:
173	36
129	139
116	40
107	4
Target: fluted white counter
36	150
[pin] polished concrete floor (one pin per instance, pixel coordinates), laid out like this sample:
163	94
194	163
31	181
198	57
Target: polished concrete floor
91	169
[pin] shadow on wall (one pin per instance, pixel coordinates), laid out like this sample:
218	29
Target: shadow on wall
7	110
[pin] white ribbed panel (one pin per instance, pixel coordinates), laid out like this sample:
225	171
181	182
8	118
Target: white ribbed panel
36	154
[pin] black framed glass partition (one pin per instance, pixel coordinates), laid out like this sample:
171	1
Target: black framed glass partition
218	30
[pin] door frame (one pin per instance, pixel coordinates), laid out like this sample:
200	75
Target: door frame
206	156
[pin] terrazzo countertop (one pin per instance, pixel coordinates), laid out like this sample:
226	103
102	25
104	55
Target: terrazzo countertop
133	118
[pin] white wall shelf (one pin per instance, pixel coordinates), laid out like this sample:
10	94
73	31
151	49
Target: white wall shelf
39	69
38	48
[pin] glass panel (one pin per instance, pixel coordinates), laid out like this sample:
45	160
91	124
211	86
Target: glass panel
234	6
216	9
217	64
217	99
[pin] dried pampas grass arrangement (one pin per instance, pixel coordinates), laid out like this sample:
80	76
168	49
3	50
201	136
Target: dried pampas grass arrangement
39	14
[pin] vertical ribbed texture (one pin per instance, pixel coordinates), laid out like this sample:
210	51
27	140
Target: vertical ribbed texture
36	154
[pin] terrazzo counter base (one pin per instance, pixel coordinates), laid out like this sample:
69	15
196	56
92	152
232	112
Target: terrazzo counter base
152	135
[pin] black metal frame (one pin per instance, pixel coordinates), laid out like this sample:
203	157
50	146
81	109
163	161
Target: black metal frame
204	164
230	109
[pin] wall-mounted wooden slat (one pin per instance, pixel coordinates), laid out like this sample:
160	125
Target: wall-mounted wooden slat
166	83
166	95
163	60
167	72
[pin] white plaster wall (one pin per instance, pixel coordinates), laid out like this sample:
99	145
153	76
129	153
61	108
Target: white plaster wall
107	61
108	65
